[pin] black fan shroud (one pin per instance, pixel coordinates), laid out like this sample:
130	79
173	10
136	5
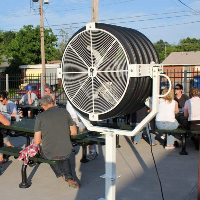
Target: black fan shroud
95	70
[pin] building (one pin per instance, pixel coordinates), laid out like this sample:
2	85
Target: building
189	61
182	65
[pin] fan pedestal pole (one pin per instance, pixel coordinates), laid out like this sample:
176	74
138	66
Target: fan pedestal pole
110	176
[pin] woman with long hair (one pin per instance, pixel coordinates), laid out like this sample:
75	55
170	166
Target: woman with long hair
192	111
165	118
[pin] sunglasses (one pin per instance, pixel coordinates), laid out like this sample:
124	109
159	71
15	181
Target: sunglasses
177	88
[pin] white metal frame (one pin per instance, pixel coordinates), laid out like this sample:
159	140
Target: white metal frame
137	70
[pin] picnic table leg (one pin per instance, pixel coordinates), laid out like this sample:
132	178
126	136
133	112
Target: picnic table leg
24	183
183	151
84	153
28	141
117	141
1	170
1	145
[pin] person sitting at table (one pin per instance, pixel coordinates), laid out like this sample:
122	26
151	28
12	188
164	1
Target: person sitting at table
165	118
6	141
47	91
53	128
180	97
29	99
192	111
7	106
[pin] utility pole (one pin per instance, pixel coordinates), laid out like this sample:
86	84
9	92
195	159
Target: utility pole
95	10
42	47
165	50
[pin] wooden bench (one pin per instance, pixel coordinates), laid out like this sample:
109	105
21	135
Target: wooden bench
14	151
183	133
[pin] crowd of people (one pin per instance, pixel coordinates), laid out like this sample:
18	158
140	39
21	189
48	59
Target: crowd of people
175	109
50	130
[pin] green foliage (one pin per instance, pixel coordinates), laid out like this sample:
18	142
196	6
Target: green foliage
188	44
160	48
8	36
1	46
25	48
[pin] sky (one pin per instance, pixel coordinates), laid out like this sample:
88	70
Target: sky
169	20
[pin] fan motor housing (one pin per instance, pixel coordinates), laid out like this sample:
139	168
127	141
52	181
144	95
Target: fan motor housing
95	70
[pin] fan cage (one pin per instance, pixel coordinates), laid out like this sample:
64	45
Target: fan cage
102	92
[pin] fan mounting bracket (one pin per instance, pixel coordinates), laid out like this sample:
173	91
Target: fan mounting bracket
90	26
140	70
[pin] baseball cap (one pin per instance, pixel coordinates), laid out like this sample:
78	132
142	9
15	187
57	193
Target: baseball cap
28	87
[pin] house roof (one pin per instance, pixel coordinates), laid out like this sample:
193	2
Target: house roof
183	58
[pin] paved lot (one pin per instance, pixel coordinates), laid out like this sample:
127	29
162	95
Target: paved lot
139	181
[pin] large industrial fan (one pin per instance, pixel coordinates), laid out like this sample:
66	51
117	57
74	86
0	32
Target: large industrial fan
96	70
109	71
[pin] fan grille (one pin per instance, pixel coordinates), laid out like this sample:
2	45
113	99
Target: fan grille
95	71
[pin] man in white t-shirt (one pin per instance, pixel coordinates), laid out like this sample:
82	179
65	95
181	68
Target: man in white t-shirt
74	116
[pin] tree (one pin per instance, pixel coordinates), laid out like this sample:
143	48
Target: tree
25	48
189	44
1	46
160	48
8	36
5	40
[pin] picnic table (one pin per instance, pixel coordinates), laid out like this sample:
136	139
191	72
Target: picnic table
25	128
29	106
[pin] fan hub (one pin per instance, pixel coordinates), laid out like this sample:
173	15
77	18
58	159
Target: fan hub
92	71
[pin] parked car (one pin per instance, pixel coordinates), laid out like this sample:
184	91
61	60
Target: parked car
36	88
28	82
164	84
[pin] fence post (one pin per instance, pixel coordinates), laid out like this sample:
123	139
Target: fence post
7	83
42	86
185	81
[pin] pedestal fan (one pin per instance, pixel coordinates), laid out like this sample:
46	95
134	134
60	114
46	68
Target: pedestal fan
109	71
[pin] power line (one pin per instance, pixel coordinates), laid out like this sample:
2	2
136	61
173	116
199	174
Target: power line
188	6
9	12
128	17
169	25
161	26
159	18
